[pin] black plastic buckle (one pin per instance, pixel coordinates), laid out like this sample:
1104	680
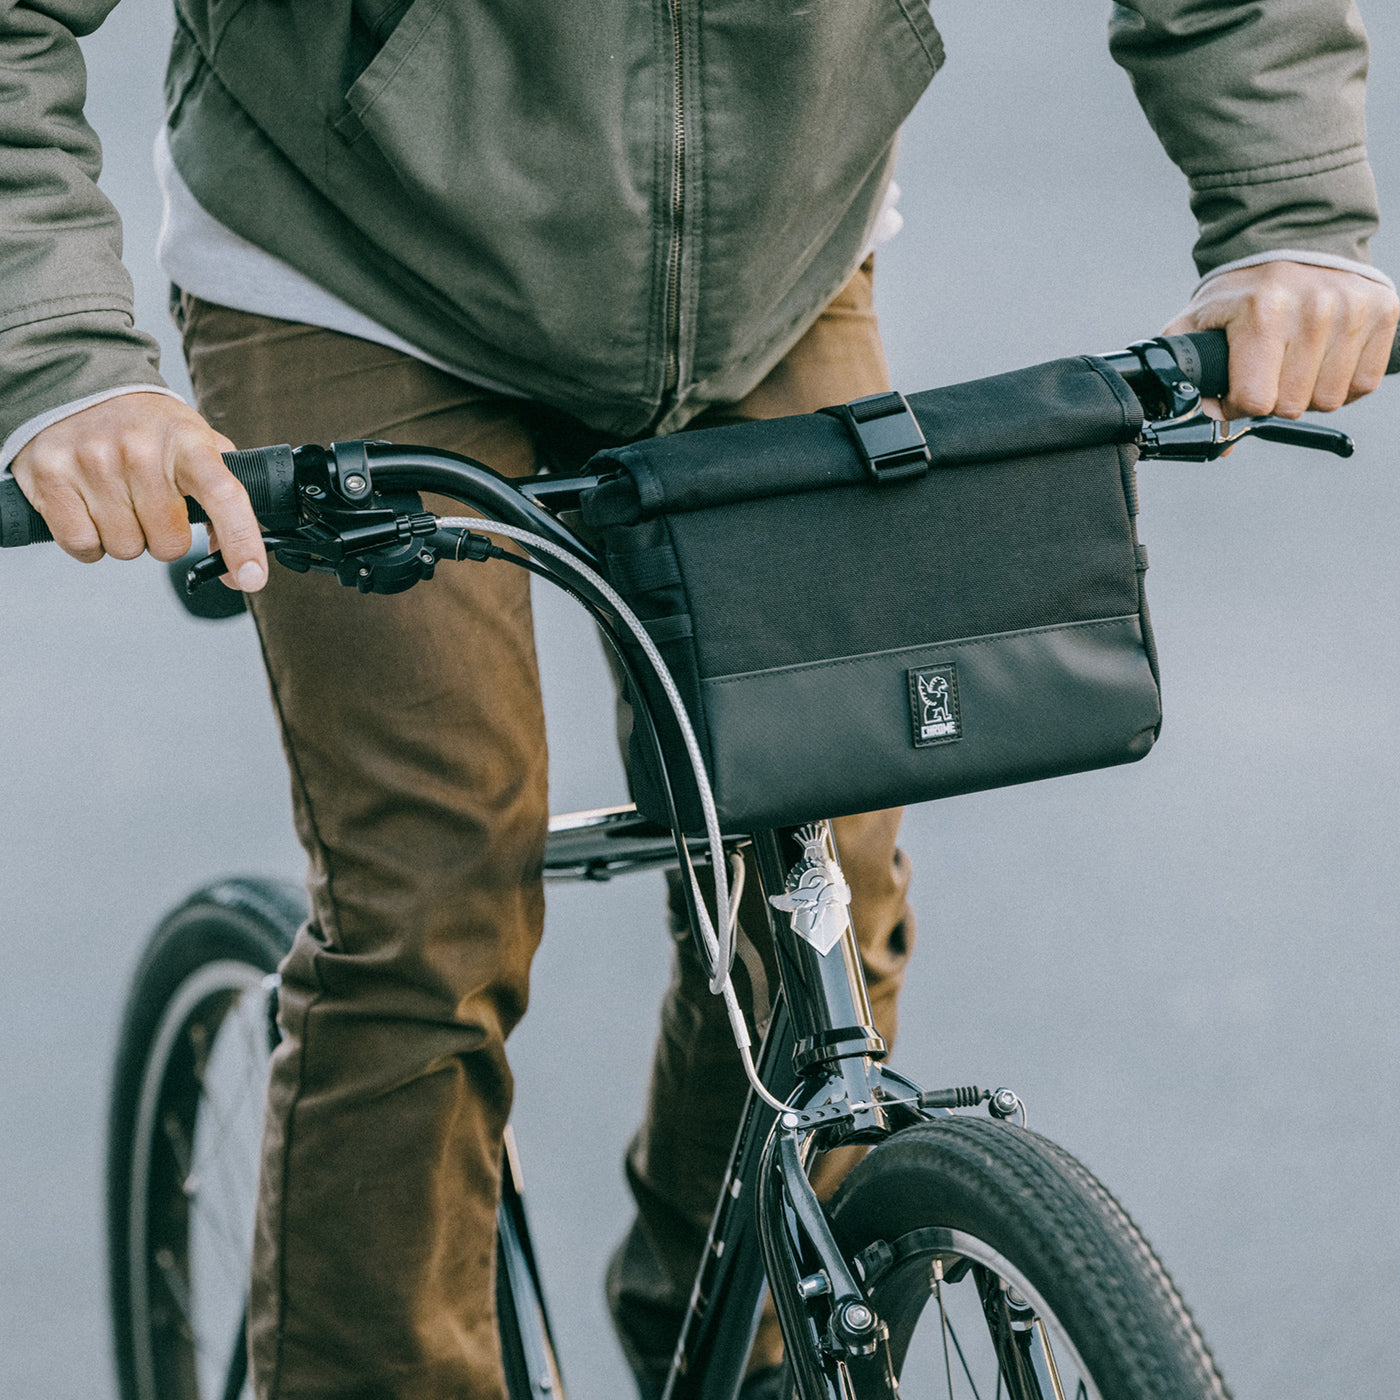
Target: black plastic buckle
888	436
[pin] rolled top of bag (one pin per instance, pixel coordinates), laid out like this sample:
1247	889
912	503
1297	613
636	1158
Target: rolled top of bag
1077	402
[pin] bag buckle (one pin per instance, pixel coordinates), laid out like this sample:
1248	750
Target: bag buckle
887	434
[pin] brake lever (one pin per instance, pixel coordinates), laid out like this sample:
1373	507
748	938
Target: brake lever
212	566
1201	438
374	550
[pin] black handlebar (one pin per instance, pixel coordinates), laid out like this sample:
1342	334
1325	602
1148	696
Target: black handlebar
267	473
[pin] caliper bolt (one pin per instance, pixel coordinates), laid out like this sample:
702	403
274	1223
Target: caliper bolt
1004	1103
857	1317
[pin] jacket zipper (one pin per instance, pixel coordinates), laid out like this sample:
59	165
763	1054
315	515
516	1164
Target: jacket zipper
673	262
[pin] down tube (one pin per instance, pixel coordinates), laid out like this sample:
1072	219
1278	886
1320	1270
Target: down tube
719	1326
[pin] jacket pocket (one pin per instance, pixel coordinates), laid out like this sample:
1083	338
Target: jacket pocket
415	23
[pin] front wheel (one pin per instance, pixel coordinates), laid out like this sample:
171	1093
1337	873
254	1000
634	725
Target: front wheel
1001	1267
182	1150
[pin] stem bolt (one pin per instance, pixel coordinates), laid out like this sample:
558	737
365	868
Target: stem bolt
355	483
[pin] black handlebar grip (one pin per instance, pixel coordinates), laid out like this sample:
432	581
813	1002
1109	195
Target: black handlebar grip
20	523
266	474
1204	357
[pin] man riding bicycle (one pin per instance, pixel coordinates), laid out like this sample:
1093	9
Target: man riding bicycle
507	232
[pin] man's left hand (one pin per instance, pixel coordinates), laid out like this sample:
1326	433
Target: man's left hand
1301	337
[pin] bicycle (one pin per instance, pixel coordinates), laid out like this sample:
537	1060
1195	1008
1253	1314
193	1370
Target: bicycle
1022	1267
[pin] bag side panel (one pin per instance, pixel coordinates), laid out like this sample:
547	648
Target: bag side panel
1029	705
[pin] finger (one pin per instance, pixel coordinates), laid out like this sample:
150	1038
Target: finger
200	472
1374	360
1336	376
66	515
1303	362
160	508
1256	362
46	479
101	471
214	549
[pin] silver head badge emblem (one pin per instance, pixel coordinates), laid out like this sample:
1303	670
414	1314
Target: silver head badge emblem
814	894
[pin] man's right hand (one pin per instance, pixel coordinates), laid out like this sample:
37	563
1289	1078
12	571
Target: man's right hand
112	478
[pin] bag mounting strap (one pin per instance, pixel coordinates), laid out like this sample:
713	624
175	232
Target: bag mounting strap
886	434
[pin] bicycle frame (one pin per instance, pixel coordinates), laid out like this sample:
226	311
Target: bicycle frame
821	1053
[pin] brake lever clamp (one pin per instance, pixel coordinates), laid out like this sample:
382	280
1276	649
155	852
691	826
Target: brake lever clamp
1176	398
381	547
1201	438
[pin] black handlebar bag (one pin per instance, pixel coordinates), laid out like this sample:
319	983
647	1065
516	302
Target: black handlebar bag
893	600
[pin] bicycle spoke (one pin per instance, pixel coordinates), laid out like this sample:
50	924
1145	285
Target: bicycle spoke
181	1149
1049	1354
967	1370
176	1288
943	1322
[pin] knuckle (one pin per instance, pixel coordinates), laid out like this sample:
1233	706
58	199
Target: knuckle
42	458
193	445
1325	306
1365	382
238	532
83	545
1272	304
168	534
123	546
1251	401
168	547
1357	318
102	461
214	486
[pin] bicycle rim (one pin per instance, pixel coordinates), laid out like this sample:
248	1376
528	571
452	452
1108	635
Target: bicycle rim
193	1186
965	1322
1002	1270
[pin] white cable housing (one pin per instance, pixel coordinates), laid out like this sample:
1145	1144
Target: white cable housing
719	946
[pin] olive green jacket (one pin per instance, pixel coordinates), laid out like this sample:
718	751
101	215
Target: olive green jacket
628	210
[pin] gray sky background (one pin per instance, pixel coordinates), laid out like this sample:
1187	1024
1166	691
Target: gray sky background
1187	967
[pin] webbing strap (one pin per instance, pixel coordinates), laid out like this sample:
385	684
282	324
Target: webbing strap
887	435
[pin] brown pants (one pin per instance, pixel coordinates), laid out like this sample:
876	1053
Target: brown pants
415	738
